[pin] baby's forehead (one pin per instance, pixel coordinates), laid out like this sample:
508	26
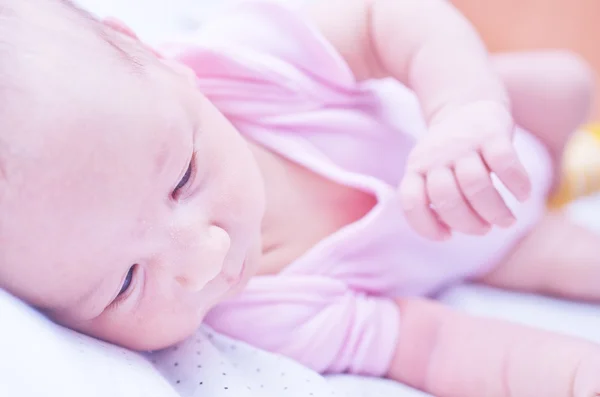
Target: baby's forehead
107	129
73	189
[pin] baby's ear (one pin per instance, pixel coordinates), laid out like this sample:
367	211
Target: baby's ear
119	26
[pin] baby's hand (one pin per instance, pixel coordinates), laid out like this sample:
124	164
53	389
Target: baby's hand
447	184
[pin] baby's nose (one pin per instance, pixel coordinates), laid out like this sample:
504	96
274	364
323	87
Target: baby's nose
204	261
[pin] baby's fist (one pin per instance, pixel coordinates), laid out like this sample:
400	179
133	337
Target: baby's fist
447	184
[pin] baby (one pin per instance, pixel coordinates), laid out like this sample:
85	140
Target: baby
139	198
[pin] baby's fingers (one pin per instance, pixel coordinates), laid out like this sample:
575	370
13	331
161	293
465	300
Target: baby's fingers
502	159
450	204
419	215
476	184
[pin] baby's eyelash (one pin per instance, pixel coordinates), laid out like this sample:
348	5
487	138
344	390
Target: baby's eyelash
127	282
185	179
126	287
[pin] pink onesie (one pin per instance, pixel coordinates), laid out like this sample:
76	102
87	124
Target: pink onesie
285	87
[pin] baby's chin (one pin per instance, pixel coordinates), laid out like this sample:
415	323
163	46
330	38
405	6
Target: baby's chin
249	270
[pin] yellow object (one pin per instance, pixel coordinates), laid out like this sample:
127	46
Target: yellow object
580	172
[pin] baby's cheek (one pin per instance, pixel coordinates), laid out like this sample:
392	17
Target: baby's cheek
150	328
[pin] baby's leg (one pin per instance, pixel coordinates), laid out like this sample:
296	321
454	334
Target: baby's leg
451	354
551	95
556	258
550	91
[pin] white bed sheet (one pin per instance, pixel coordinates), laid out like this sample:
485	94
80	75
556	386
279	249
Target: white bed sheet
38	358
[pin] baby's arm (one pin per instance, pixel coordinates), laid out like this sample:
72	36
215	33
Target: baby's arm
430	47
551	93
425	44
451	354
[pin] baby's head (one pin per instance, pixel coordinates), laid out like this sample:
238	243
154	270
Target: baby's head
128	205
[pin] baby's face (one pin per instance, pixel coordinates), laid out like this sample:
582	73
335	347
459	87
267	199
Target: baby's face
130	205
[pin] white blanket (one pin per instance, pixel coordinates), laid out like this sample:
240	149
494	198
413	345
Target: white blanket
38	358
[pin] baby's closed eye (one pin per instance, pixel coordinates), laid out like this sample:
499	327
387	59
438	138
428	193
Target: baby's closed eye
127	281
126	288
184	180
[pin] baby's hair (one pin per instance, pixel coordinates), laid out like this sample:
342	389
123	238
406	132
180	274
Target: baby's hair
131	55
69	4
40	39
66	17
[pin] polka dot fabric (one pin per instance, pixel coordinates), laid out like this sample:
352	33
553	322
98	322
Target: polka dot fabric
372	387
212	365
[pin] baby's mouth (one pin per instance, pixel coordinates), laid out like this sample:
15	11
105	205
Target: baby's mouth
233	276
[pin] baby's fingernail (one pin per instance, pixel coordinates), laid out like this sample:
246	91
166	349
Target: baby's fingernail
524	193
445	236
506	221
480	231
523	198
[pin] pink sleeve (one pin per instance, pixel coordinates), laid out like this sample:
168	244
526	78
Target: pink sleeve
314	320
261	59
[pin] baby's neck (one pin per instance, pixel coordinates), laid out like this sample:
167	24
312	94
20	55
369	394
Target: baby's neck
274	231
302	208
